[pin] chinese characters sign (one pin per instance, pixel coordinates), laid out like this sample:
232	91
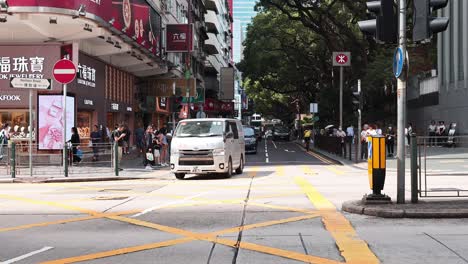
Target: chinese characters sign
179	38
86	75
21	67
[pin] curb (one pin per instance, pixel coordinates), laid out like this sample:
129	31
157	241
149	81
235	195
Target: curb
321	154
61	180
392	211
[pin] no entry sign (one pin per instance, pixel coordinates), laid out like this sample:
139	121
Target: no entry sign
64	71
341	59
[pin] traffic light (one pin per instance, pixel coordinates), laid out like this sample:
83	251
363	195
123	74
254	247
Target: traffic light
357	97
384	26
176	104
424	24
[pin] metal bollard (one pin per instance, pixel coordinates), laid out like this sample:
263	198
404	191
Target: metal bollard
65	165
414	168
376	169
13	160
116	159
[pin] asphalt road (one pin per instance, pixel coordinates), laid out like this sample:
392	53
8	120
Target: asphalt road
283	209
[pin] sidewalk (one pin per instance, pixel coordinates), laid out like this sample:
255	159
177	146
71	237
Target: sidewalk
131	165
453	207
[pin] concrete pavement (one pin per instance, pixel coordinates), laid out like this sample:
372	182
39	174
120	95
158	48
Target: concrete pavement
283	209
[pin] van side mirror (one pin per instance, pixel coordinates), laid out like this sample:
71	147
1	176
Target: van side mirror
229	135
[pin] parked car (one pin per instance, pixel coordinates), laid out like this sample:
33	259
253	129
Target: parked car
280	132
208	146
251	141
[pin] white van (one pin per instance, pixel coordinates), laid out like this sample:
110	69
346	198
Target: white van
208	145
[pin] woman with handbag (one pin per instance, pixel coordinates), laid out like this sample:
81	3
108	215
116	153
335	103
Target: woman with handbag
75	142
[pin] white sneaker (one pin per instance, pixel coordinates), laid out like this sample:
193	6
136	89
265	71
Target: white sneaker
148	167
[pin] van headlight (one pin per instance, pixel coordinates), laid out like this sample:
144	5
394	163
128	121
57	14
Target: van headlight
218	152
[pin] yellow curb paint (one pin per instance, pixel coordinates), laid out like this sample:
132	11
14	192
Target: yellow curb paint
352	248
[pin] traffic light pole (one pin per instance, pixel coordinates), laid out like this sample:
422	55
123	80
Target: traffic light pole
401	102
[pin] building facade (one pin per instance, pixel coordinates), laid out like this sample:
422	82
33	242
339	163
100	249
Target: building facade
441	94
243	11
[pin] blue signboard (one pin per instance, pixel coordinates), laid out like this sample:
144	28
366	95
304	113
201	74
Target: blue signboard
398	62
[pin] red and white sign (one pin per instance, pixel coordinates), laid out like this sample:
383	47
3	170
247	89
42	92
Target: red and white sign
64	71
341	59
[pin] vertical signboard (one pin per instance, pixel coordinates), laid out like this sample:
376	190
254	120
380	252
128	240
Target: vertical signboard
226	91
179	37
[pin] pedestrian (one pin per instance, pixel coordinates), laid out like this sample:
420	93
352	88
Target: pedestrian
157	147
96	137
364	135
408	133
378	130
126	142
75	143
431	129
119	136
140	140
164	146
342	138
307	135
440	133
4	137
390	138
350	133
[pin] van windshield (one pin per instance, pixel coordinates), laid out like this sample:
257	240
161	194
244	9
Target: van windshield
200	129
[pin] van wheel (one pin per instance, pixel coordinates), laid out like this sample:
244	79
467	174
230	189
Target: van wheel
179	176
241	166
228	174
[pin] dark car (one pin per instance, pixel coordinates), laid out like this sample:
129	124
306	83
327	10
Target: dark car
280	132
251	141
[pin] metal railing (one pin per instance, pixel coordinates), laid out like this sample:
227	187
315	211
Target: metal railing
440	165
333	145
91	160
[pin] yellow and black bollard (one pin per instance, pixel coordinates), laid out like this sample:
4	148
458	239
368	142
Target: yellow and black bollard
377	167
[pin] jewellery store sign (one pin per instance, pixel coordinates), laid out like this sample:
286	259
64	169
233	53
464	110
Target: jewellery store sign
31	62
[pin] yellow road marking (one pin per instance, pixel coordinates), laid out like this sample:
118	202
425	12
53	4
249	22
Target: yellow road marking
352	248
78	219
211	237
307	170
280	171
335	170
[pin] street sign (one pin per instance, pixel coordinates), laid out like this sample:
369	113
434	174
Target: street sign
64	71
313	108
398	62
341	58
29	83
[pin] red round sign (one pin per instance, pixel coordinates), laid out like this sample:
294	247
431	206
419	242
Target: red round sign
341	58
64	71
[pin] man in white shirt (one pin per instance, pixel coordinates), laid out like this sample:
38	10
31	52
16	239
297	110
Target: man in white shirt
350	133
200	113
364	135
342	135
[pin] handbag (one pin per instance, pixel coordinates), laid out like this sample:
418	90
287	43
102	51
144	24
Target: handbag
90	143
149	156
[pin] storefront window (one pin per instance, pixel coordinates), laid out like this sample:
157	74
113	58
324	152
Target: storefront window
18	121
84	124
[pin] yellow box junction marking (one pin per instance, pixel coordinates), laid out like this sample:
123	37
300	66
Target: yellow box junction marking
353	249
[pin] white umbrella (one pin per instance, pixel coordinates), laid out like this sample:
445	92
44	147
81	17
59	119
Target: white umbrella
329	126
